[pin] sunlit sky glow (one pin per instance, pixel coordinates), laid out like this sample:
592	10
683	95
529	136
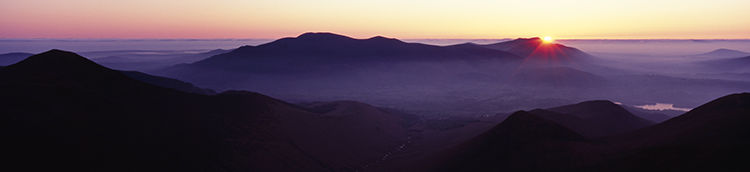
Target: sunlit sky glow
413	19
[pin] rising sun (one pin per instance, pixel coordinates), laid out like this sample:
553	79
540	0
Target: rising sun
547	39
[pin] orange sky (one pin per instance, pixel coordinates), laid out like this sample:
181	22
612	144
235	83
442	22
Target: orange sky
467	19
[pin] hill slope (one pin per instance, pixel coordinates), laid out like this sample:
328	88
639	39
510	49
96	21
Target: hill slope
595	118
517	144
709	137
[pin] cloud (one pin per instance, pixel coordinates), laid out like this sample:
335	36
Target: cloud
662	106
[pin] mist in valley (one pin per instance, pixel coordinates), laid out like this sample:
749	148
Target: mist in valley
636	74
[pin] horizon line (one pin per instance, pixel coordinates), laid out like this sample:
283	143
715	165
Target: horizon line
218	39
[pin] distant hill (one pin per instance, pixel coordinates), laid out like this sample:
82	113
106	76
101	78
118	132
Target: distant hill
10	58
534	50
85	117
594	118
723	53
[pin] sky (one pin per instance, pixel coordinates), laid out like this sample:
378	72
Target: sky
412	19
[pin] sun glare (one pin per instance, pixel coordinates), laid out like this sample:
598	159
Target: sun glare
547	39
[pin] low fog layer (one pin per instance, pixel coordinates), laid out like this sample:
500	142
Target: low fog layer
684	73
437	80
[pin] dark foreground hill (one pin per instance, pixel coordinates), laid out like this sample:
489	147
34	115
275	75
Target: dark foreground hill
63	112
517	144
707	138
712	137
12	58
594	118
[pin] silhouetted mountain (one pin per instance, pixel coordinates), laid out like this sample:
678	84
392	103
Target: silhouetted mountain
10	58
313	49
516	144
535	50
69	113
594	118
154	80
723	53
66	65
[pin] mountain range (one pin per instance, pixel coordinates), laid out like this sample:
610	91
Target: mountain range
329	48
381	70
330	53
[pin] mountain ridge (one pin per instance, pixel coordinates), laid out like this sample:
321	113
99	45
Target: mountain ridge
328	46
534	50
